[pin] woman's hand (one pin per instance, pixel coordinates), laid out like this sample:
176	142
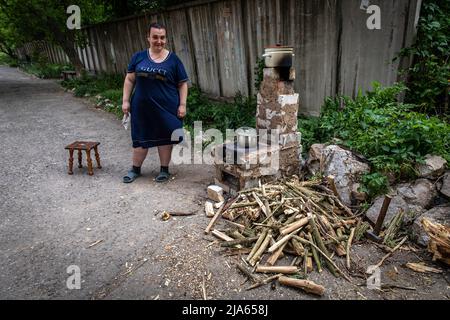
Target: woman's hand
181	111
125	107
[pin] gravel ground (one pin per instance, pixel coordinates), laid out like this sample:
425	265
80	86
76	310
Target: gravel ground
49	220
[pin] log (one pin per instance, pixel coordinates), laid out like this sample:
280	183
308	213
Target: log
306	285
277	269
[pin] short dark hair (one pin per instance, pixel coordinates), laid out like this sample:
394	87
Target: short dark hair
157	26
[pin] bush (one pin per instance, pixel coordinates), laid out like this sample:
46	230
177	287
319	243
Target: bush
429	76
8	61
388	133
45	71
219	115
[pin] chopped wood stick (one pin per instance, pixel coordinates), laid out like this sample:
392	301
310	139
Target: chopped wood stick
260	240
318	240
261	205
221	235
244	242
240	226
274	257
265	225
294	226
182	213
280	242
421	267
309	264
395	286
94	243
236	235
349	243
265	281
304	241
214	219
247	272
333	188
305	285
243	204
261	249
298	247
315	256
390	253
305	262
277	269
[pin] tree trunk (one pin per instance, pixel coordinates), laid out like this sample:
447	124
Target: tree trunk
67	42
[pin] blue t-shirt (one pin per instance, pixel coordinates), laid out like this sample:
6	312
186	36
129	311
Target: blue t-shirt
156	99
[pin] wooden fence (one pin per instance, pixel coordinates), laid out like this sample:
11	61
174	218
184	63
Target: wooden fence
220	41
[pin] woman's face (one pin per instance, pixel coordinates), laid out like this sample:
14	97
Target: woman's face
157	39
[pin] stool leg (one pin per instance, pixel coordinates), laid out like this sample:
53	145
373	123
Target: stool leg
89	162
79	159
97	157
70	161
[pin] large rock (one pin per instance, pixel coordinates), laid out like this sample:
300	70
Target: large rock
314	156
445	188
433	167
397	204
345	167
419	193
439	214
413	198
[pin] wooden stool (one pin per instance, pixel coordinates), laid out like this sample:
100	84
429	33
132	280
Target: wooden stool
83	145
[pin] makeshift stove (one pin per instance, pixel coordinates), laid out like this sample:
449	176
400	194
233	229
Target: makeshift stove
277	151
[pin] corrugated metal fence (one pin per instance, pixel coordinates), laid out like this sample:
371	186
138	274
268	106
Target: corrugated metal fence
219	42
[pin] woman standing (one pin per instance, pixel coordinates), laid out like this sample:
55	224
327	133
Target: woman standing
158	103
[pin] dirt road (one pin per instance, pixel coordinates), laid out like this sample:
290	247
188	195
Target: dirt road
50	220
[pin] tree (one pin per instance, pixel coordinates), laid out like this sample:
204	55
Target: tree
23	21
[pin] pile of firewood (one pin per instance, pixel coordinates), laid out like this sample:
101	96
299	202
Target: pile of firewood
303	219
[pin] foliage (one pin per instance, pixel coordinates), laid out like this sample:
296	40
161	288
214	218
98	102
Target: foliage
45	70
429	75
26	21
105	88
219	115
8	60
259	73
388	133
92	85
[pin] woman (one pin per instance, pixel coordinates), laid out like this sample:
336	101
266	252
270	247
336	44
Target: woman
158	103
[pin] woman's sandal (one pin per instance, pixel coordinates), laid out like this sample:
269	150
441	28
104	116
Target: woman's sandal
130	177
162	176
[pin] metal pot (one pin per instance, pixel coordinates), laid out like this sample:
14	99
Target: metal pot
246	137
278	56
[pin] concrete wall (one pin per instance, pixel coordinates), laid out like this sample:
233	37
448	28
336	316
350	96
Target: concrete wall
219	42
